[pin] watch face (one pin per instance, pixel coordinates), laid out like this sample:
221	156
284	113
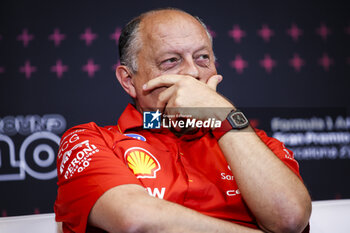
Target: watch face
239	119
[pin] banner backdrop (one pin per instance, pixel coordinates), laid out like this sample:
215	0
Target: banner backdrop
286	65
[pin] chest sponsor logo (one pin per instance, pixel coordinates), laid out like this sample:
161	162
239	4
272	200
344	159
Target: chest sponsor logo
136	136
225	176
231	193
80	161
142	163
156	192
66	141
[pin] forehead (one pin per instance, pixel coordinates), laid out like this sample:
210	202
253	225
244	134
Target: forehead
172	30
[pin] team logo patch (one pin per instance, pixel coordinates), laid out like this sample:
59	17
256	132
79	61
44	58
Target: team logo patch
141	162
136	136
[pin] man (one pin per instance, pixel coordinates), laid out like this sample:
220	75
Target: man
128	179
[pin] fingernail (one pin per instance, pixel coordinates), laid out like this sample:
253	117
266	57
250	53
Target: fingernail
219	78
144	87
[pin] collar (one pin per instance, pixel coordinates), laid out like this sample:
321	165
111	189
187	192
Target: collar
132	120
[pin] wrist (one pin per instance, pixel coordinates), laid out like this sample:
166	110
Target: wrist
235	120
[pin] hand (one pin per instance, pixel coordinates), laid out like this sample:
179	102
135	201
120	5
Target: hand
188	96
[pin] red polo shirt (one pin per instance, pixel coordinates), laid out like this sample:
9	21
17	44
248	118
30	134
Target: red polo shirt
189	170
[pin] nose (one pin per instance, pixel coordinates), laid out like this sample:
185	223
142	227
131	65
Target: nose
190	68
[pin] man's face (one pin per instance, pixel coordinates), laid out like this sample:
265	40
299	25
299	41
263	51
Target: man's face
172	43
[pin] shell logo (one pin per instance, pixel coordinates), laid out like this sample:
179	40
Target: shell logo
141	162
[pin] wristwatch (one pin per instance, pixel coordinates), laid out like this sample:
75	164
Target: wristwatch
234	120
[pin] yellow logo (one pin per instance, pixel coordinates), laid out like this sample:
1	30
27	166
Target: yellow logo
141	162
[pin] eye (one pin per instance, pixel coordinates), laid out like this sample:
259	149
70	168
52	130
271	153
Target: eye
169	63
203	60
170	60
204	56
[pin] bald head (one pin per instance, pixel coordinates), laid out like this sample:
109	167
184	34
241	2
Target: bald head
150	24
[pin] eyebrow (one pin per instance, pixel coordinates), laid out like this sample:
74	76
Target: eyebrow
202	48
176	51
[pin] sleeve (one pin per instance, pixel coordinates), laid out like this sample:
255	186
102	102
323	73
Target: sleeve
284	154
279	149
87	167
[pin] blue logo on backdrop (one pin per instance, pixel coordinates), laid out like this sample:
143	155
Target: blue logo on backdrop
136	136
151	120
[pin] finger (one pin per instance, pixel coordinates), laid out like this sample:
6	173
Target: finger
170	108
165	96
213	81
162	81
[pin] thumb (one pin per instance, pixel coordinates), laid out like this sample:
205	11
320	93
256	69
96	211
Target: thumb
213	81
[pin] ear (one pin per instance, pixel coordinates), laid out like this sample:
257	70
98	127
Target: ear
124	76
